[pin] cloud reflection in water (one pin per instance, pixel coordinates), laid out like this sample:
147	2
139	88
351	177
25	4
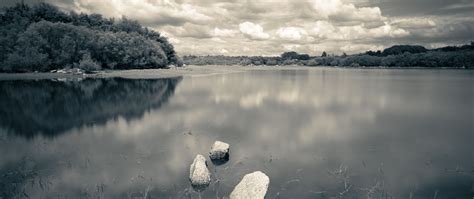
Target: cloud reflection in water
309	130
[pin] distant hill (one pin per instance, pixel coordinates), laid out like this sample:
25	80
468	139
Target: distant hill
456	48
400	49
43	38
414	49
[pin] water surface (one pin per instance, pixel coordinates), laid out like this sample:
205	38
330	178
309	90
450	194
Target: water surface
317	133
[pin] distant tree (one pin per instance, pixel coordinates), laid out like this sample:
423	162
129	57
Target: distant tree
294	55
271	61
324	54
289	55
400	49
312	62
303	57
463	58
290	62
468	47
372	53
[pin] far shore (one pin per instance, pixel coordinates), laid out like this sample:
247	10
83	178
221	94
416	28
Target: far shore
187	71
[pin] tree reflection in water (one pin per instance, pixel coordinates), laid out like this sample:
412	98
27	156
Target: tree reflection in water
50	108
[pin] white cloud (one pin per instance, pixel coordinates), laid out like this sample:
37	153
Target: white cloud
322	29
188	30
254	31
224	51
224	32
163	12
291	47
415	22
336	9
326	30
217	39
388	30
291	33
174	40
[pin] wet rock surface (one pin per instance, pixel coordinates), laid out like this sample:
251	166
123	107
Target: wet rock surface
199	174
253	185
219	153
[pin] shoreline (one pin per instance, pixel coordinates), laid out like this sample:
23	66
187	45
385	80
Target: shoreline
187	71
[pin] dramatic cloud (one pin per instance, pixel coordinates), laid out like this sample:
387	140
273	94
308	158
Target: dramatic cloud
270	27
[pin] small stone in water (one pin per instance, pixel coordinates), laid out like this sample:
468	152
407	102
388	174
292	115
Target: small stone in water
219	150
253	185
199	174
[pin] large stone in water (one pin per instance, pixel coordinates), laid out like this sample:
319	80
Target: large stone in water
199	175
219	153
252	186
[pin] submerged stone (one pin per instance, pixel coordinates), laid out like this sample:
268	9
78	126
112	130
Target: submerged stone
219	153
199	174
253	185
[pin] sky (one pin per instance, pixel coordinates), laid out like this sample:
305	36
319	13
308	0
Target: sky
270	27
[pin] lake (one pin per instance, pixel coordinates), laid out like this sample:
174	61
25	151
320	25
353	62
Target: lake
316	132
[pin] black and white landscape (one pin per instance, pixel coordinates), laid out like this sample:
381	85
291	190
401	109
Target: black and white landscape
236	99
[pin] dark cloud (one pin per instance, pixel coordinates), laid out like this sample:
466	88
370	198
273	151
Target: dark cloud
422	7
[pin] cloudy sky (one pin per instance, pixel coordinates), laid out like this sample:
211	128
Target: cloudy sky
270	27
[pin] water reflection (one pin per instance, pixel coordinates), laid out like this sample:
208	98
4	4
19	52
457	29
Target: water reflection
49	108
318	133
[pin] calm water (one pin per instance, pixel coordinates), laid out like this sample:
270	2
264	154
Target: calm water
317	133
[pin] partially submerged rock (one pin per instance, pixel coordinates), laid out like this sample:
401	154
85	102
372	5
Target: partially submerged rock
253	185
219	153
199	174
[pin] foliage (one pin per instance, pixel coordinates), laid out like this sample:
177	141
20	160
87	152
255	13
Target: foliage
460	57
400	49
294	55
41	38
456	48
88	64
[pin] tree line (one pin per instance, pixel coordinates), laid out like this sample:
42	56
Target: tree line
43	38
395	56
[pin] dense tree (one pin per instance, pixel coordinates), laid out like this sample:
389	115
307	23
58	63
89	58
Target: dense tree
88	64
400	49
372	53
460	57
41	37
456	48
294	55
289	55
